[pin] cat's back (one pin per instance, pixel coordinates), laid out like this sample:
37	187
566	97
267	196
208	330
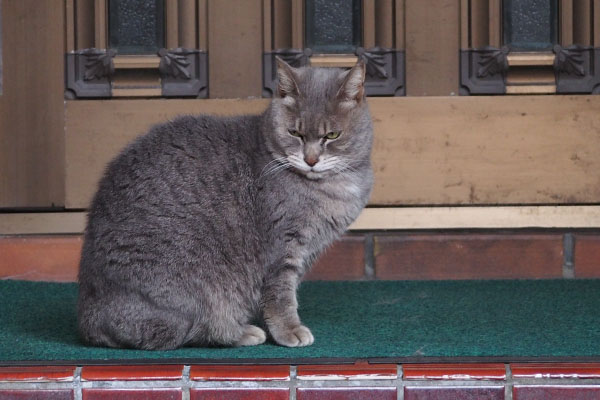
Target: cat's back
173	175
168	194
189	151
189	140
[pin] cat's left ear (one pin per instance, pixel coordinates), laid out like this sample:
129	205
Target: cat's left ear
287	84
353	84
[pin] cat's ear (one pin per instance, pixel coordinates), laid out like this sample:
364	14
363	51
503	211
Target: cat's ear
287	84
352	90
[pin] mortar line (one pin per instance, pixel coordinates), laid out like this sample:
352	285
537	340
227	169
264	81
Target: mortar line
508	385
185	383
369	251
293	385
400	382
568	269
77	392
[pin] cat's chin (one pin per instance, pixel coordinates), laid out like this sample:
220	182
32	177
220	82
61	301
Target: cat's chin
315	175
312	175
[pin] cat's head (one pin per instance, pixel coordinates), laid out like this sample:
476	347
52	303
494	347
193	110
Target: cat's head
319	120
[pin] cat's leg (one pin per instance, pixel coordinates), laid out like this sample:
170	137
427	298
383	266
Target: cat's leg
132	323
280	309
225	320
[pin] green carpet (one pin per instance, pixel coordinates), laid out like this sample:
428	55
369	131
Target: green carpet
351	320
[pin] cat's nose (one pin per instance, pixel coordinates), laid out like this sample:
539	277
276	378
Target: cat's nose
311	160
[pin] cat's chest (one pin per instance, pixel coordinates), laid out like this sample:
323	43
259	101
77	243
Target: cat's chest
319	211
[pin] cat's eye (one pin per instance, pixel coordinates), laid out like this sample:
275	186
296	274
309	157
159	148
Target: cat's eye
332	135
294	132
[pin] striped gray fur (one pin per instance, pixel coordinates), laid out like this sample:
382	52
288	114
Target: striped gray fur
202	228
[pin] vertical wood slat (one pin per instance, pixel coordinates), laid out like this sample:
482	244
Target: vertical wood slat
399	25
202	8
495	23
596	25
32	163
84	24
566	22
187	24
465	32
69	26
100	21
281	24
479	23
297	24
172	22
582	22
432	54
235	46
384	15
368	25
267	19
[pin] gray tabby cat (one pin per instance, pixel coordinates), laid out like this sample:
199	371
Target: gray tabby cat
202	228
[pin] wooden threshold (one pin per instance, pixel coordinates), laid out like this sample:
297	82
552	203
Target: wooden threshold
488	217
388	218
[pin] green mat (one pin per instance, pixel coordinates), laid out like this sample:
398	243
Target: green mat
374	319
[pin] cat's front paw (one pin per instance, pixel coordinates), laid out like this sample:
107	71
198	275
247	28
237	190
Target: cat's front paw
295	337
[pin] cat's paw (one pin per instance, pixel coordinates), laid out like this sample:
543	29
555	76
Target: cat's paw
252	336
296	337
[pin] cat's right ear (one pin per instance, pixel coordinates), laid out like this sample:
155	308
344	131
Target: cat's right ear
287	84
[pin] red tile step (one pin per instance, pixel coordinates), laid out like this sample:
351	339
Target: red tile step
239	394
581	381
347	393
132	394
556	392
40	258
587	256
468	256
454	371
454	393
556	370
240	373
344	260
132	372
36	394
37	374
359	370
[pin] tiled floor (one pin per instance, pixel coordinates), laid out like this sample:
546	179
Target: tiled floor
304	382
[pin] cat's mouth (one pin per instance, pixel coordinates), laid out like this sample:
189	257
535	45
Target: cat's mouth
315	175
314	172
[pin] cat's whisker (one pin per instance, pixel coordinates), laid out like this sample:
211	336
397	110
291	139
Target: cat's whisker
269	164
271	168
346	168
277	168
355	159
275	173
278	162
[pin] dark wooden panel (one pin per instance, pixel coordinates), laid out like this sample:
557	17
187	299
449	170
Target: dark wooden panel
432	44
235	48
31	105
